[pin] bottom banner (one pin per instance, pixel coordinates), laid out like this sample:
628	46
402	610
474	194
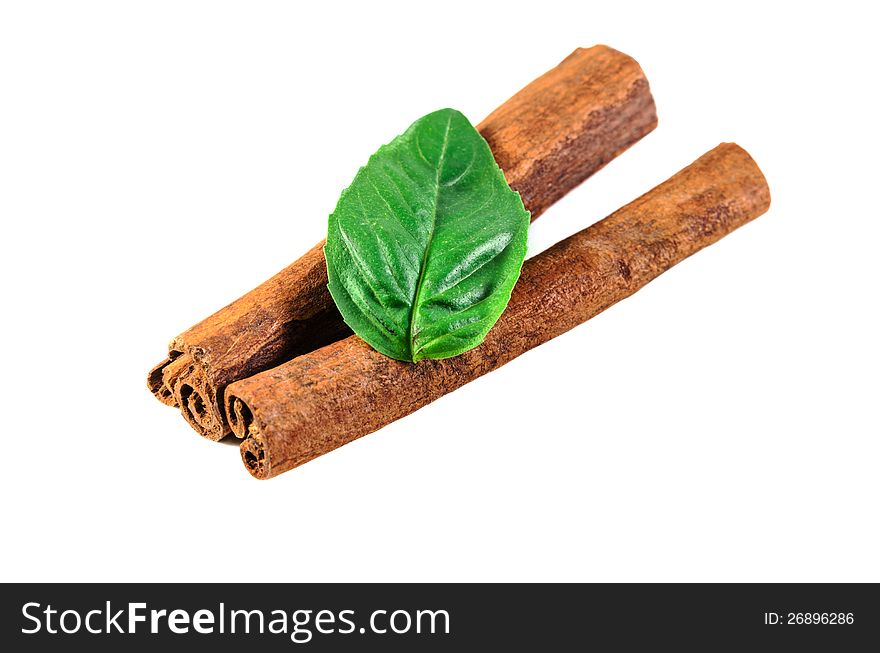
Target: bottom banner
427	617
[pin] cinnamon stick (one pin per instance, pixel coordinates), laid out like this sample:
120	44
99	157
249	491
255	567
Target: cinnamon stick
548	138
318	402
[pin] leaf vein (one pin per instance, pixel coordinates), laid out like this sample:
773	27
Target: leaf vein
440	162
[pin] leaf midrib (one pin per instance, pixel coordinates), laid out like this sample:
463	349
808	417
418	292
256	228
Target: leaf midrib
416	300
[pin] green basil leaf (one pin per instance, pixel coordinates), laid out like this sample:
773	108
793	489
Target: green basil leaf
426	244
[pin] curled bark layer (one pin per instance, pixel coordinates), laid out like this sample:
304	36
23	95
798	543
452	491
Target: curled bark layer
318	402
548	138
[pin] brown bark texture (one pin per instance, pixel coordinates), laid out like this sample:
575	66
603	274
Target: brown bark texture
548	138
322	400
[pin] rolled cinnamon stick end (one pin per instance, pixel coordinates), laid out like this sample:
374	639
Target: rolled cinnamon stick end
548	138
156	383
318	402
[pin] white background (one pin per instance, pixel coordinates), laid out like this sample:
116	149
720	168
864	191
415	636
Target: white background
159	159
